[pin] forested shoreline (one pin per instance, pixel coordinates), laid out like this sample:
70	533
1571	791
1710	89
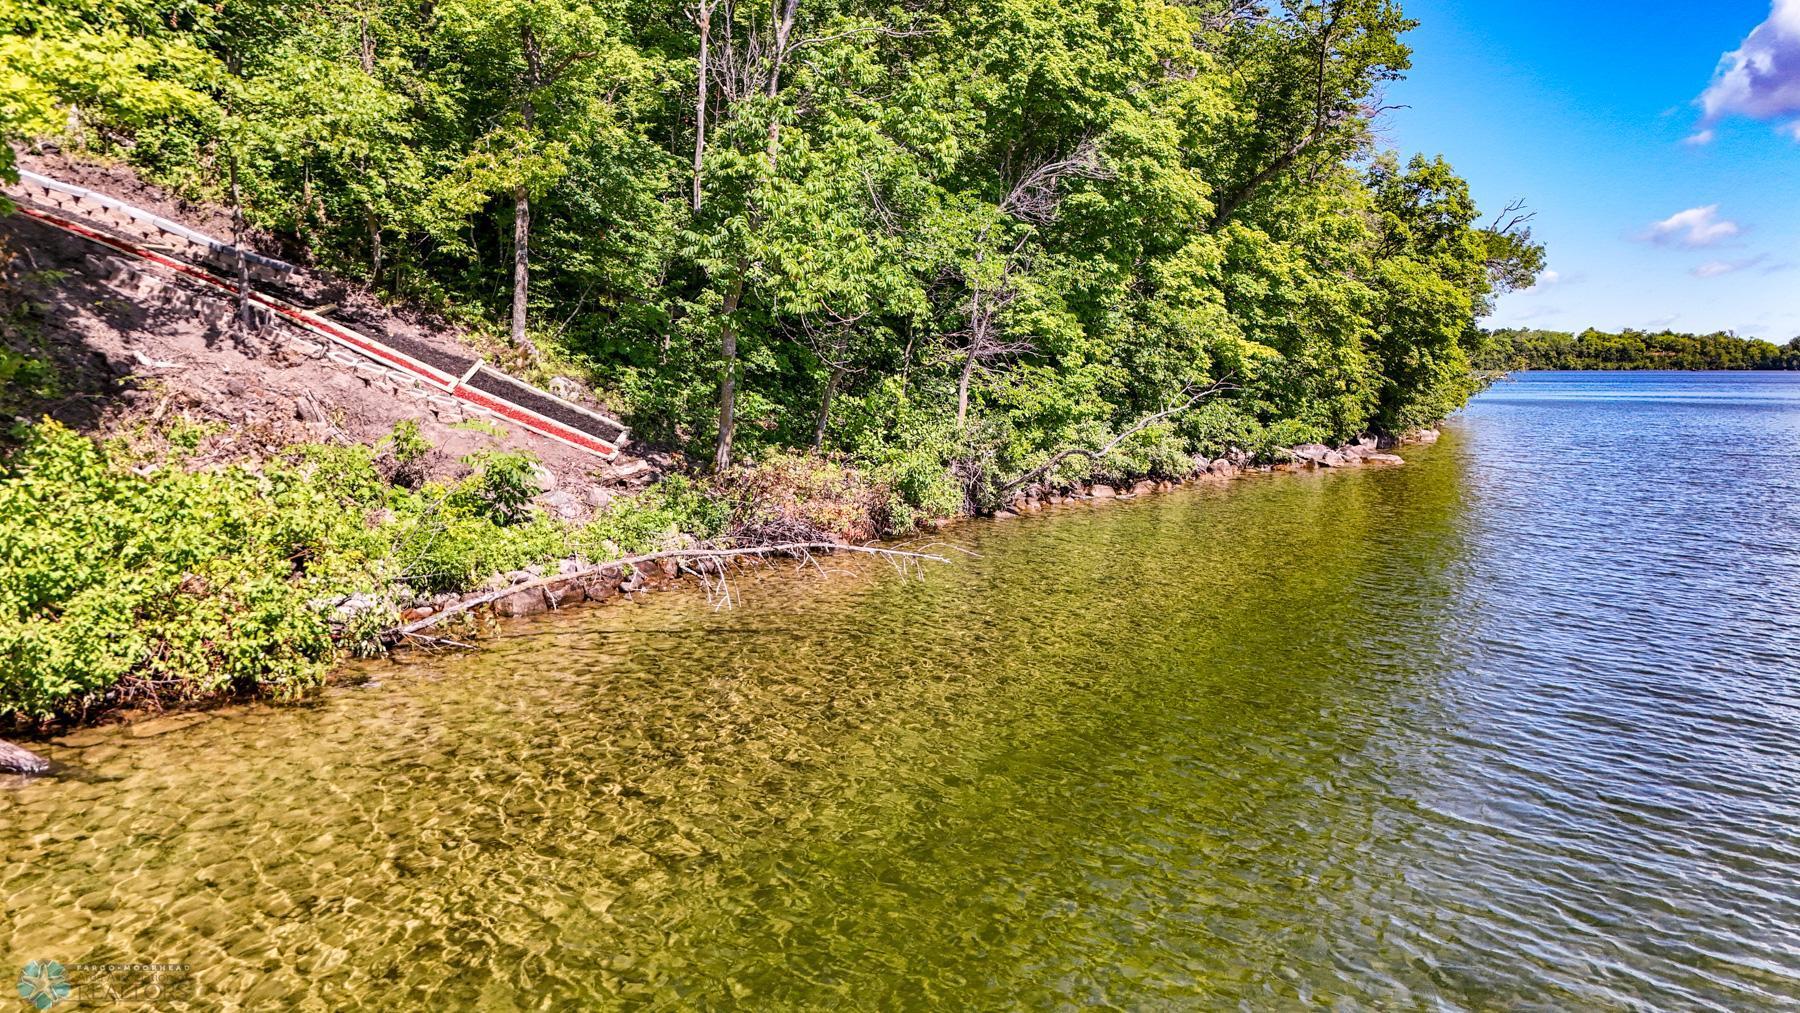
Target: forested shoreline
853	227
928	251
1521	348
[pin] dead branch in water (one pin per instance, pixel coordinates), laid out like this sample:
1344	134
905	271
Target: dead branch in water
804	549
1193	398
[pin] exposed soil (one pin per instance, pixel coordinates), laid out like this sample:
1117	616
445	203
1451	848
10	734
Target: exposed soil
135	343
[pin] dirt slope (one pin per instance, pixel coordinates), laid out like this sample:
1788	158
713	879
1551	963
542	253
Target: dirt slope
134	342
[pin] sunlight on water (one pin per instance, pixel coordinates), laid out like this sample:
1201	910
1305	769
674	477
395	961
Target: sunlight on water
1516	725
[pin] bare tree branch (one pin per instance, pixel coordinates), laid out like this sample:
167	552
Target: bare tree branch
1510	217
1193	397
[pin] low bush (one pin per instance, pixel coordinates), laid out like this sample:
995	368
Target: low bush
791	497
125	580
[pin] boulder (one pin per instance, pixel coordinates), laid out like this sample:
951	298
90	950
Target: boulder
1223	468
1314	452
1099	491
354	605
631	471
1384	459
526	602
1425	436
14	760
563	593
562	503
604	584
596	497
1334	459
1004	515
413	615
1145	486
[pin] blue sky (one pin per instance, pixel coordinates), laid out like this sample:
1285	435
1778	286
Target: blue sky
1659	209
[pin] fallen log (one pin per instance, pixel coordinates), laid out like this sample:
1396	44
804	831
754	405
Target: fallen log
786	548
14	760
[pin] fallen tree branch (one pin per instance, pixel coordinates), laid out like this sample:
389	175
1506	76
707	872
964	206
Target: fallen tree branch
1142	424
806	548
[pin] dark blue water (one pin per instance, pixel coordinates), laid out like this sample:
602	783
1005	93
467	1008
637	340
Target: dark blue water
1630	760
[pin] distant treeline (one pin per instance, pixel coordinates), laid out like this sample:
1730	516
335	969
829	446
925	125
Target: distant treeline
1519	348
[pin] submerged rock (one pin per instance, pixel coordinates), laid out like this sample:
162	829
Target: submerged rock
14	760
1099	491
1385	459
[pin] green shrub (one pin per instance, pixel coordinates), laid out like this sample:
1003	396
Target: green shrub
407	444
502	486
173	585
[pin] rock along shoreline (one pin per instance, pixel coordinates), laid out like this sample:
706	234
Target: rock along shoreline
541	589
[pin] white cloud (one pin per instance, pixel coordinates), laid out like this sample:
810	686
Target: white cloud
1761	78
1694	227
1699	138
1715	268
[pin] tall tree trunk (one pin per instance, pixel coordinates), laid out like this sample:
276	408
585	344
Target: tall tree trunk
366	55
521	268
368	45
784	28
237	246
831	385
374	247
704	20
728	376
962	389
534	79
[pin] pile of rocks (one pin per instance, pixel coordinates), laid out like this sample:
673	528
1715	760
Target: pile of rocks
1367	450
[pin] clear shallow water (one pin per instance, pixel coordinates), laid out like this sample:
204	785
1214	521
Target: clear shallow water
1515	726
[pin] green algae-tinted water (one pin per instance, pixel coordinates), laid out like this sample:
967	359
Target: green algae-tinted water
1513	726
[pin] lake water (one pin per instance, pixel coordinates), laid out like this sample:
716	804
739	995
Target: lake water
1514	726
